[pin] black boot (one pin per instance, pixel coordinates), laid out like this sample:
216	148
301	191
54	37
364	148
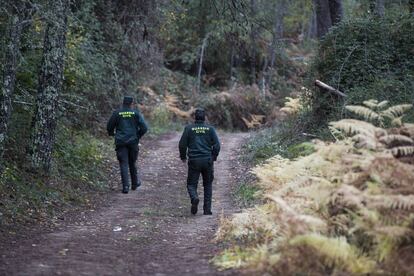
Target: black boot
135	186
194	206
207	212
125	189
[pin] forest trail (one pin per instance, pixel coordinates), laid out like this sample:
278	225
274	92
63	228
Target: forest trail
146	232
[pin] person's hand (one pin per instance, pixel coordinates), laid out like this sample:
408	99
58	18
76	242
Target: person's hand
184	160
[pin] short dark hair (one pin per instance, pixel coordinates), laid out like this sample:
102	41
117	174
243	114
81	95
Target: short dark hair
128	100
200	114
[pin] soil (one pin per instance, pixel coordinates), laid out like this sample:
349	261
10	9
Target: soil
149	231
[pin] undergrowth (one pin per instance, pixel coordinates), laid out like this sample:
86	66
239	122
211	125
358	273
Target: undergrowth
246	194
80	167
366	58
346	207
161	121
284	139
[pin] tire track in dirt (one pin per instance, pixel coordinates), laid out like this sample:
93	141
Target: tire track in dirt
146	232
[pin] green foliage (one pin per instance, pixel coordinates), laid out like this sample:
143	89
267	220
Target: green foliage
246	194
22	202
284	139
161	121
365	58
228	25
79	166
78	156
298	150
265	144
161	116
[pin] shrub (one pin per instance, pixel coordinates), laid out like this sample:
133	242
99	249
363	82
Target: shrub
365	58
346	208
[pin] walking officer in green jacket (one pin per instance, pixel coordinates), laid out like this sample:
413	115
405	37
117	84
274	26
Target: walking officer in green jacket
129	127
200	143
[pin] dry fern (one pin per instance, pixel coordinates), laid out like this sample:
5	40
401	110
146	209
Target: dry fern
402	151
397	111
367	113
351	127
336	252
292	106
172	104
254	122
373	111
393	138
364	193
400	202
372	103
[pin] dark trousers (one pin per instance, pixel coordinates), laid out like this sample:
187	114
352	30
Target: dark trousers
127	156
204	167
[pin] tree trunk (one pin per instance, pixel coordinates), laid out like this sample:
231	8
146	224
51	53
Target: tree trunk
231	72
278	30
312	31
12	54
253	37
9	80
328	13
323	17
200	64
337	11
380	8
50	84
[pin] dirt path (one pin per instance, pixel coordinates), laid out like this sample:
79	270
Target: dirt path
147	232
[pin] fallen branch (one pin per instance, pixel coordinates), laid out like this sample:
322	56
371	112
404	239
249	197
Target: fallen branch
329	88
73	104
21	102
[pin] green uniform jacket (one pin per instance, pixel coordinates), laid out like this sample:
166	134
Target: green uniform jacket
201	140
128	124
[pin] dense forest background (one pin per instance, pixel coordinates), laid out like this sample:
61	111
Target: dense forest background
66	65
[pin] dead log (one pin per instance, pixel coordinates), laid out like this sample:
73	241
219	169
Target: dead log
329	88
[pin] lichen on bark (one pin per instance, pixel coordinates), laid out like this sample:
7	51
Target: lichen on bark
50	84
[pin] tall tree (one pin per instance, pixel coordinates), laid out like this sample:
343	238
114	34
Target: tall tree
253	44
17	16
323	17
280	9
380	8
336	11
312	27
377	7
328	13
49	87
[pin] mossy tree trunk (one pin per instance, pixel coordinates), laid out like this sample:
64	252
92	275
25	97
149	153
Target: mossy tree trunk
50	84
12	54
